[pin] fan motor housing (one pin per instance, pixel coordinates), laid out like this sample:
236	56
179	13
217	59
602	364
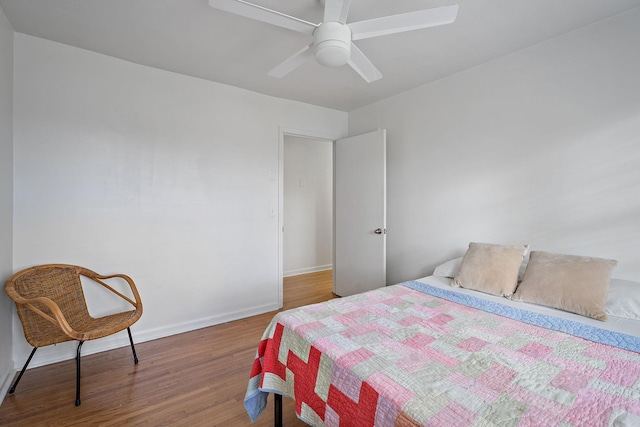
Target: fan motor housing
332	44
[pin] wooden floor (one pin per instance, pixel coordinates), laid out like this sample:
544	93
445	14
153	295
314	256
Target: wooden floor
197	378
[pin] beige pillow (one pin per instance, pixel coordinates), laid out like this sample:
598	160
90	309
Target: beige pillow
571	283
490	268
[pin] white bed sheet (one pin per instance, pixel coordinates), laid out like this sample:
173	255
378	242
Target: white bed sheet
613	323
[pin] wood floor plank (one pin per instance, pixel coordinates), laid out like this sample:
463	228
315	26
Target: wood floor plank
198	378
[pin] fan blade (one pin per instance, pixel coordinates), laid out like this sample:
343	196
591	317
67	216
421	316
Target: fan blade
336	10
363	66
403	22
293	62
259	13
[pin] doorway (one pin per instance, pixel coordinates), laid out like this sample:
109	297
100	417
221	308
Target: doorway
305	203
308	205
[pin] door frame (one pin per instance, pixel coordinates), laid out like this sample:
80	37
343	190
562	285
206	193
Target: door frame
301	133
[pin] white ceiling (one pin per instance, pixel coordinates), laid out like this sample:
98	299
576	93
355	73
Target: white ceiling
189	37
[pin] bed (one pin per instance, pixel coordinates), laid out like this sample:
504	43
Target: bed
426	353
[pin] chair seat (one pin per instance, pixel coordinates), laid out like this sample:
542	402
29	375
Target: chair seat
90	327
98	327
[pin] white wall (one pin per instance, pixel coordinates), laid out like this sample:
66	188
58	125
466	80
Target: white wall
539	147
308	205
6	197
167	178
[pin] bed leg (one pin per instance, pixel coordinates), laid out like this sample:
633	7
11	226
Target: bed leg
277	413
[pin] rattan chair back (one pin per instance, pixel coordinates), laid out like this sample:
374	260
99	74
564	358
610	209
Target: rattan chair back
61	285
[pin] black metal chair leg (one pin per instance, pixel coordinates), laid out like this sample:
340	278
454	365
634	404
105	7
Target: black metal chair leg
277	413
78	373
133	348
78	353
24	368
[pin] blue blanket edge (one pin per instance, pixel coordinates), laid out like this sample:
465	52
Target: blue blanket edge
588	332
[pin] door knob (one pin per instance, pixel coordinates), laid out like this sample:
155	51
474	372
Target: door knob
378	231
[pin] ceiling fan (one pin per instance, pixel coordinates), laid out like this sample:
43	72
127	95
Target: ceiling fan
333	38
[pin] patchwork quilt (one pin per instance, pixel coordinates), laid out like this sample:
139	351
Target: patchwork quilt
415	355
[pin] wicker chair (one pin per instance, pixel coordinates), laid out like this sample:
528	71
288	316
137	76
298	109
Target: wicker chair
52	308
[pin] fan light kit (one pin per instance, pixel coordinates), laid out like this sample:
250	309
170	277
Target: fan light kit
332	44
333	38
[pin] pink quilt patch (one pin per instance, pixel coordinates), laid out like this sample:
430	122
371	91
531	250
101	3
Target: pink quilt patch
621	372
419	341
536	350
472	344
570	380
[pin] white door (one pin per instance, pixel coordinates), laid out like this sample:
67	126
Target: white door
360	214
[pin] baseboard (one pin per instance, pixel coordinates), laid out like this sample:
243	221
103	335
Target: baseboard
307	270
66	351
202	323
6	383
